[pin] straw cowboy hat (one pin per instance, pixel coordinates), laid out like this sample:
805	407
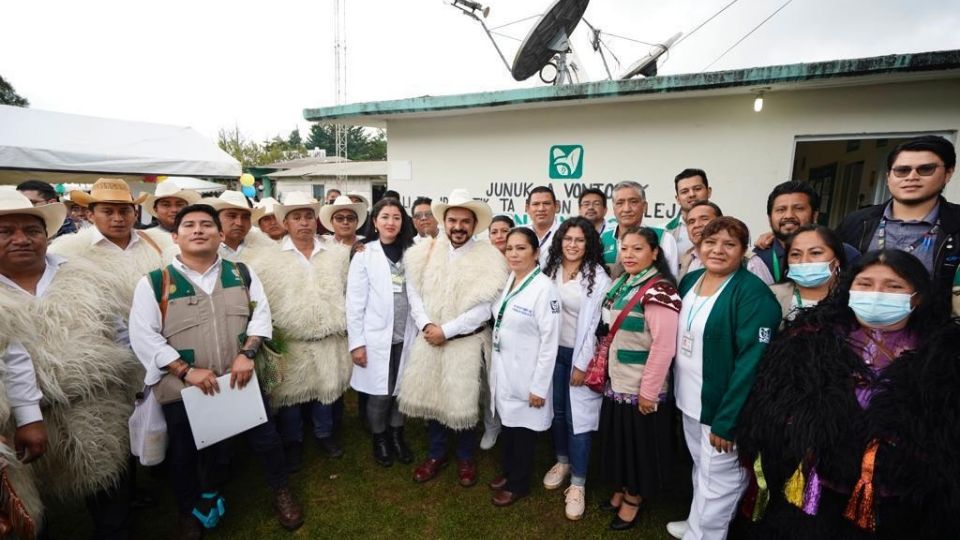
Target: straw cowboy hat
13	202
107	190
266	207
166	189
296	201
343	202
229	199
460	198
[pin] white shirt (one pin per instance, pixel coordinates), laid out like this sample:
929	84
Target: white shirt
230	254
466	322
20	379
545	241
98	239
570	305
689	366
146	325
287	245
683	239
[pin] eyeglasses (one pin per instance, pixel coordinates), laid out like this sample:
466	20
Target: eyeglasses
574	240
345	219
591	204
423	215
927	169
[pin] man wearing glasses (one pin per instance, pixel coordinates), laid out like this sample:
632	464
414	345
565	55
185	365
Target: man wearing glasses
593	208
423	220
917	219
344	217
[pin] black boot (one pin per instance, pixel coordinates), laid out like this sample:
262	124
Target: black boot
381	450
399	446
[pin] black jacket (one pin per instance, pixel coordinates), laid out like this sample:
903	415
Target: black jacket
858	228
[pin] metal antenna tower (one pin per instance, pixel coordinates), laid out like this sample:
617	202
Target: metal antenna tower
340	79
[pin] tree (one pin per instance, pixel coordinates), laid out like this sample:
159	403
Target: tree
9	96
251	153
294	140
361	146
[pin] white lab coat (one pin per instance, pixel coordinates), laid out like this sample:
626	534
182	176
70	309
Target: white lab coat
529	335
585	403
370	321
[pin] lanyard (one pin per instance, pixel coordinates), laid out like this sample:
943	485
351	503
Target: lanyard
776	264
692	314
620	287
503	307
926	240
796	294
545	238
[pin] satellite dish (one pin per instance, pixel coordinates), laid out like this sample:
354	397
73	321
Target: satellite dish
549	38
647	66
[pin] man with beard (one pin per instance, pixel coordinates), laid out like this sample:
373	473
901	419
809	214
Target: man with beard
917	219
593	208
790	206
69	376
691	185
542	208
199	318
452	280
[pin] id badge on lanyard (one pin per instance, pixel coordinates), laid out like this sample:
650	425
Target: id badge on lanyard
686	343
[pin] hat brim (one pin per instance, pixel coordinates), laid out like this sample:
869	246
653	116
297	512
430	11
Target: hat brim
260	213
186	195
113	196
281	211
52	215
220	205
479	208
328	210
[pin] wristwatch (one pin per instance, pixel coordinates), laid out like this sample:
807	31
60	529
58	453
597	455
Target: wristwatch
249	353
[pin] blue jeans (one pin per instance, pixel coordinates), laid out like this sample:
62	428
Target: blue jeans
290	421
466	441
570	448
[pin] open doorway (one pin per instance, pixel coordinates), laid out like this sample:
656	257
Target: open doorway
848	171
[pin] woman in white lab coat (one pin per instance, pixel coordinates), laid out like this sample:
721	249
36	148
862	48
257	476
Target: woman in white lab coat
378	325
576	266
525	334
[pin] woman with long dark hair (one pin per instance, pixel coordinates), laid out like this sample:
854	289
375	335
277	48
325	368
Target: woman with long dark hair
379	323
806	424
815	258
636	417
575	264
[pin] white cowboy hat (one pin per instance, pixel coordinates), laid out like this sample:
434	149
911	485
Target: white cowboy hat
107	190
460	198
343	202
229	199
14	202
169	188
296	200
266	207
360	196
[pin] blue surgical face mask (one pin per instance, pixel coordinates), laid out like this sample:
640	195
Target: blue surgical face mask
880	308
810	274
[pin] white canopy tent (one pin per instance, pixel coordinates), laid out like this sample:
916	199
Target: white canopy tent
36	140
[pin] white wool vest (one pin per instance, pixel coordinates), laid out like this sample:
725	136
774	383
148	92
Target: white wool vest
309	309
443	383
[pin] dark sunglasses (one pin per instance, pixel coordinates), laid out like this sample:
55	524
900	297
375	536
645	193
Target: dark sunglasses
927	169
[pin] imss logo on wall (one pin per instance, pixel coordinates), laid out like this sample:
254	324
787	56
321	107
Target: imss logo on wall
566	162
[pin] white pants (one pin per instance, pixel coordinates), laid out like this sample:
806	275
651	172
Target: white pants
718	484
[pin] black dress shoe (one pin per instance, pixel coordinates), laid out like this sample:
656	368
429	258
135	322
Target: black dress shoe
606	506
381	450
399	446
618	524
330	447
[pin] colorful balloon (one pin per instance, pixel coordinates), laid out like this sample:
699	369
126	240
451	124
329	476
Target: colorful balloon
246	179
249	191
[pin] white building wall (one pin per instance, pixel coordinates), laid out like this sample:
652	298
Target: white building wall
744	153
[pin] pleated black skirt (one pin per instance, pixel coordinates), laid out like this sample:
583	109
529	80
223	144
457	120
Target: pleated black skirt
636	449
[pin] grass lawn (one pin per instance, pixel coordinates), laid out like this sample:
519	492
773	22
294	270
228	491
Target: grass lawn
353	497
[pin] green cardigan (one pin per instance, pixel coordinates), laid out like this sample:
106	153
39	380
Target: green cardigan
738	329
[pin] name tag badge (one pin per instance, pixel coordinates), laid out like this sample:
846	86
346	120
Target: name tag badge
496	339
686	344
397	281
605	316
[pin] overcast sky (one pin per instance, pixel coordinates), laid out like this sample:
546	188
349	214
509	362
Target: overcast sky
213	64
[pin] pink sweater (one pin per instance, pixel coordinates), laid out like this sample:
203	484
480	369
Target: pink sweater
663	323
